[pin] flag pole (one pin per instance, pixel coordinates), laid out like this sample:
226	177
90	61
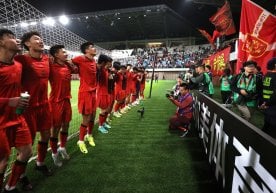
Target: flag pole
152	76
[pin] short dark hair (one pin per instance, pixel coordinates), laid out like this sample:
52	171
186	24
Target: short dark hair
135	68
104	59
250	62
54	49
27	36
271	64
5	31
208	66
227	71
184	85
85	45
116	65
123	67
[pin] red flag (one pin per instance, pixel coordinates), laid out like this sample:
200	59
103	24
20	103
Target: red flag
257	37
207	36
216	34
218	61
223	20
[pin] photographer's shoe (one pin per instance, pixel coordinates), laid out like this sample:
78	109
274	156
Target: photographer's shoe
184	133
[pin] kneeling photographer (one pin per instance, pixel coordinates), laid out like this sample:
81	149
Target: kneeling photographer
184	112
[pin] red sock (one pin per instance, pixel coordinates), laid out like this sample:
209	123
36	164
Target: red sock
101	119
90	127
105	117
1	180
142	94
63	138
54	144
117	106
123	105
18	168
83	130
133	98
41	151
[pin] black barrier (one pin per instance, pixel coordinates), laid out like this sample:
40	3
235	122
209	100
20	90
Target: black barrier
242	157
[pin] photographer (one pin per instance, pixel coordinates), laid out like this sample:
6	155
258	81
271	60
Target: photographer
184	111
202	81
246	87
269	99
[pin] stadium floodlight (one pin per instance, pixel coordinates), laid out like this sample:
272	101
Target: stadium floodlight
33	23
24	24
64	20
49	21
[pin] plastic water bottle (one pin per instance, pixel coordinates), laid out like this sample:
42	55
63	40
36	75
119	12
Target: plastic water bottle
20	110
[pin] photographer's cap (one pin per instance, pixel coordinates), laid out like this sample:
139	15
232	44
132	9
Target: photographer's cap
199	65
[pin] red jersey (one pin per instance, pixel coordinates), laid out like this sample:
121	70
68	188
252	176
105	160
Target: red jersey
10	78
121	82
87	73
134	79
103	82
35	77
60	81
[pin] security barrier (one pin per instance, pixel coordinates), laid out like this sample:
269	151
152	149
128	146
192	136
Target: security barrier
242	157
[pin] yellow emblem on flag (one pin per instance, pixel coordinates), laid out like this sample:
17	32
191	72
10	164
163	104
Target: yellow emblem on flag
255	46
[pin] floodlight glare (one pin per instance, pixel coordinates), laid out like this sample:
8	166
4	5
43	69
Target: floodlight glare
63	20
24	24
33	23
49	21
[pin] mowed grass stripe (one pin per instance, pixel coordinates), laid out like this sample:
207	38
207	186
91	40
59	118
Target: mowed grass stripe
137	156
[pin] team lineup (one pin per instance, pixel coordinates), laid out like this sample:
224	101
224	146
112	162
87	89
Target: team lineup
103	85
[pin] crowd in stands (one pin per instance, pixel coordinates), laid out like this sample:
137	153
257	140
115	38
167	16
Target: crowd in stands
170	57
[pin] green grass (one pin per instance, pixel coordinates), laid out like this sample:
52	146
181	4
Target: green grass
137	156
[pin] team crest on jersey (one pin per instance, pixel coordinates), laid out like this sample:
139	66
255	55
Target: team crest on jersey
255	46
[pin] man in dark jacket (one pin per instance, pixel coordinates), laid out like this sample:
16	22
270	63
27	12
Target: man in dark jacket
269	98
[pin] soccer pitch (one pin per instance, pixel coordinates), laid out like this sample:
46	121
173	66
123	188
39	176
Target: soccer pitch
136	156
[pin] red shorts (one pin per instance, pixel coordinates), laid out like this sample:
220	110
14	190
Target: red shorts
62	112
103	101
87	102
14	136
38	118
120	95
133	90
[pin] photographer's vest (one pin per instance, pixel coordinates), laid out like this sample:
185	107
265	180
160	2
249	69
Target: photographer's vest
208	81
225	83
268	86
249	85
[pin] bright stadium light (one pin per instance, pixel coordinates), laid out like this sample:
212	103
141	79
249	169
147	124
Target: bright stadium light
24	24
63	20
33	23
49	21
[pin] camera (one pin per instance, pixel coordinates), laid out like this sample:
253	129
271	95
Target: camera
170	94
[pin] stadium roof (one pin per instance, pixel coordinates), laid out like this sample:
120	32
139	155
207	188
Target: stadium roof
120	20
148	22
